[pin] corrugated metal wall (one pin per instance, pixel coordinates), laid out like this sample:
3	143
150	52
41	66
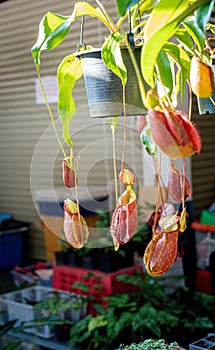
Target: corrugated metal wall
25	131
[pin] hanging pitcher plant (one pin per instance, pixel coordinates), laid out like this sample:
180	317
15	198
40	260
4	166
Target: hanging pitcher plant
162	250
75	226
124	219
174	54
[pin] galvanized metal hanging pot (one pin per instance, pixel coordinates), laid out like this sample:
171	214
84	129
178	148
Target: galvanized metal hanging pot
104	88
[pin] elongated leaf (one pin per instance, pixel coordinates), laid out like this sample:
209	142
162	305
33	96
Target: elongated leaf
211	27
182	60
69	71
185	70
151	51
160	28
184	38
165	72
203	14
143	6
13	346
112	57
85	9
53	29
6	327
145	137
165	12
179	55
124	5
195	33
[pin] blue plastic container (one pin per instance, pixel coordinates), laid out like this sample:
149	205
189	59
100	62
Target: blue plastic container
11	249
5	216
11	243
50	203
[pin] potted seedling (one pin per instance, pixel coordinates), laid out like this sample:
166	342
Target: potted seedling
162	68
61	256
151	311
4	343
108	260
68	255
62	310
149	344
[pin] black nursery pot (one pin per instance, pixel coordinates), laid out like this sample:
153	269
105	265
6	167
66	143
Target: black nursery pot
104	88
62	332
90	262
74	260
61	258
127	258
108	263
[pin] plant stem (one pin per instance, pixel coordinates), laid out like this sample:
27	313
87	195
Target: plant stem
50	113
106	14
114	163
124	128
34	340
158	190
189	11
184	184
190	101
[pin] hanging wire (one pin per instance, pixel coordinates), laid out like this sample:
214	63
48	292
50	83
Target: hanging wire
81	44
139	20
130	35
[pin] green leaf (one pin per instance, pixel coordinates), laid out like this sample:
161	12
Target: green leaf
163	22
124	5
7	327
165	72
199	322
146	316
85	9
165	12
179	56
53	29
195	33
185	39
211	27
128	279
182	61
150	146
160	27
96	322
203	15
69	71
13	346
112	57
143	7
81	286
113	121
